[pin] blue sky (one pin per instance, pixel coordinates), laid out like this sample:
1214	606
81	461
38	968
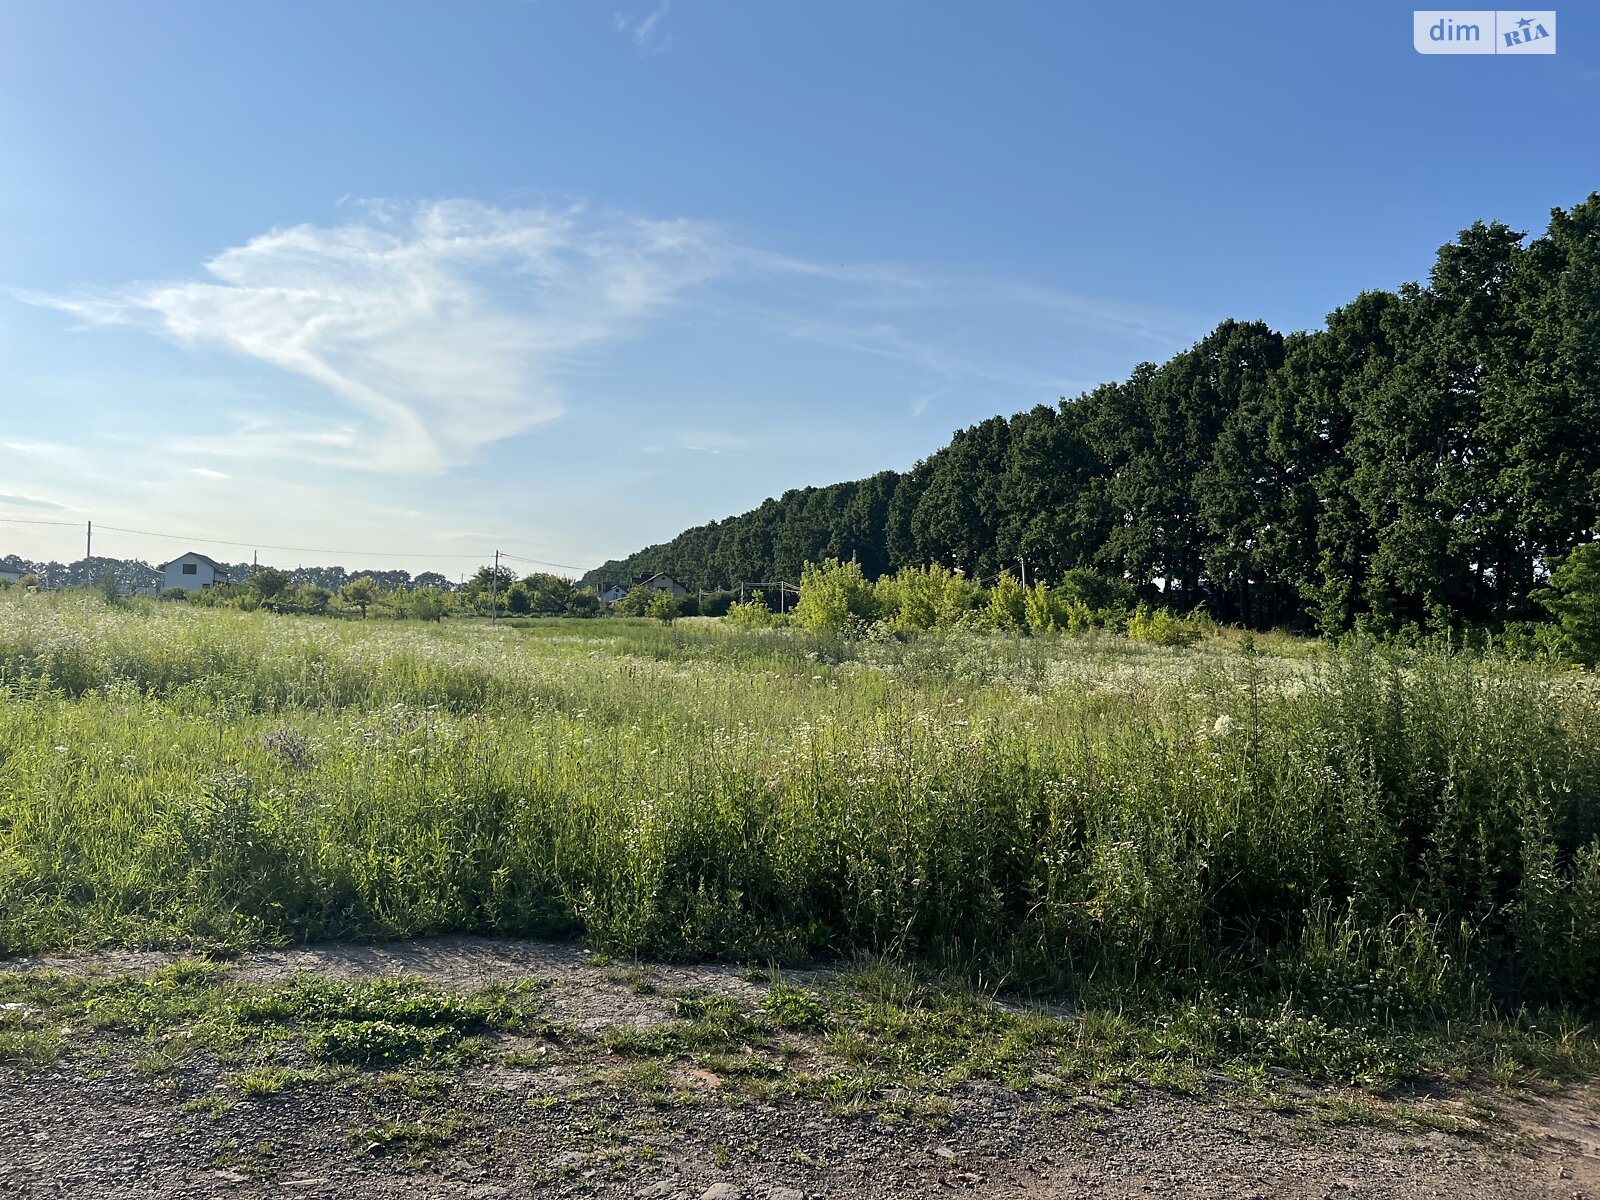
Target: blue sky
564	277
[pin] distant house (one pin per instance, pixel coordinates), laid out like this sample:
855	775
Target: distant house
661	581
10	574
191	572
665	583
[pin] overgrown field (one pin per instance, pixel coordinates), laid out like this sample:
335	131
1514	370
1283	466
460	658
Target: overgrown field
1350	836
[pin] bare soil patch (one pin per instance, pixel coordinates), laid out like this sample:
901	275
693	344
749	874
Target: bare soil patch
106	1125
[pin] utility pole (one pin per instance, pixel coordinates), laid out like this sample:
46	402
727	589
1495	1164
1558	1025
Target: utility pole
1023	563
494	581
88	539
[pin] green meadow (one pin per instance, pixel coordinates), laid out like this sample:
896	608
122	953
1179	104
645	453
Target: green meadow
1302	835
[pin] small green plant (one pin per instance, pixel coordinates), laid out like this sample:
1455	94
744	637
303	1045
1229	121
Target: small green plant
377	1043
794	1008
258	1082
213	1106
414	1140
26	1041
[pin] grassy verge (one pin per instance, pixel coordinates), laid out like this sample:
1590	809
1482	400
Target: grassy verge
1308	859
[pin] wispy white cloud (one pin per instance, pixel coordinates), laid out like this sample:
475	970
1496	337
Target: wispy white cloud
884	340
646	31
698	441
433	330
18	500
890	287
440	327
38	449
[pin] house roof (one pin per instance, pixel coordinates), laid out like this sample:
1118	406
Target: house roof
642	581
215	565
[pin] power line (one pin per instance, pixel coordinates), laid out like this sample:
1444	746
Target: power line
33	521
539	562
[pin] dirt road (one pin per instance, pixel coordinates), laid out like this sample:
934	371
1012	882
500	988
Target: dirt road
535	1118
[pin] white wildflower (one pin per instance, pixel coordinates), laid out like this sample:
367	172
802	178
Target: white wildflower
1223	726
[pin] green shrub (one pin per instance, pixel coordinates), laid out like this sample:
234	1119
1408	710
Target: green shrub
663	606
1100	594
752	613
1161	628
1043	609
834	597
636	603
1008	604
922	598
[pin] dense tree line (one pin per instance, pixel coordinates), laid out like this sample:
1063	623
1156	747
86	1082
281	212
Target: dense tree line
489	591
1424	458
134	574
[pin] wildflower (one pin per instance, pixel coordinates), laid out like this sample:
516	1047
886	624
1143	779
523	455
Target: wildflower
1223	726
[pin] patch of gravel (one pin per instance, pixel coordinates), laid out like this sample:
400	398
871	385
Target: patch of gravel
106	1130
591	992
122	1136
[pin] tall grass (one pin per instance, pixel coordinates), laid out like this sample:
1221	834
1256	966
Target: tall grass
1050	808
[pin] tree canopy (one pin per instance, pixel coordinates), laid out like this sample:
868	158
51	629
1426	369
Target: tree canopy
1425	458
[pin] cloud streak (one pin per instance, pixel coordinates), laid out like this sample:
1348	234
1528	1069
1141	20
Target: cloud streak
646	31
18	500
430	331
440	327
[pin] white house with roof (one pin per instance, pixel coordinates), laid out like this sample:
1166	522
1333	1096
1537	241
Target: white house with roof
191	572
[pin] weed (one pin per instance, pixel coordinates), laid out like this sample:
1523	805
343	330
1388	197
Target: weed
376	1043
269	1081
794	1008
414	1140
212	1105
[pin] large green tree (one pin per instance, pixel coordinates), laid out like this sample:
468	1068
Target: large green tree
1423	459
